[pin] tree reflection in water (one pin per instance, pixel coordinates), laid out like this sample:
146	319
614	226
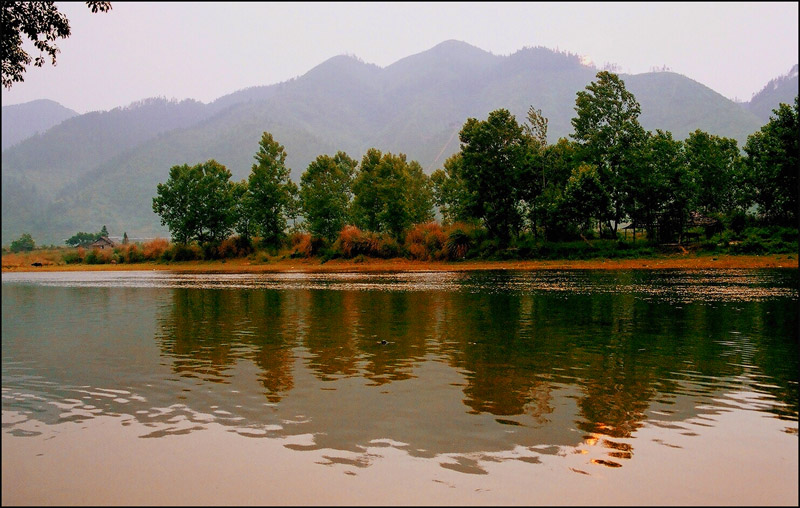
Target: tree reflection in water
533	368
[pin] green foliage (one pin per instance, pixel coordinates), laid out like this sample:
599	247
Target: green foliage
772	166
715	163
24	243
197	202
450	193
661	188
493	159
269	191
326	192
585	200
609	134
81	239
390	194
184	252
459	241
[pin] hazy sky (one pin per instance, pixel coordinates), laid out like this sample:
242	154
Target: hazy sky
205	50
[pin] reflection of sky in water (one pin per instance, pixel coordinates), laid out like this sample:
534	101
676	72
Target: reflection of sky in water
477	368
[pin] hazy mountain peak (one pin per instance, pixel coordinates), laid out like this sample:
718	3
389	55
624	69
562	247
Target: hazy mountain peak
782	89
21	121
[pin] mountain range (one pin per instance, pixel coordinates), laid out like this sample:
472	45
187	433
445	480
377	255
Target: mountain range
102	168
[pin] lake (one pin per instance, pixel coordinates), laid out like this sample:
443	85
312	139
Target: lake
499	387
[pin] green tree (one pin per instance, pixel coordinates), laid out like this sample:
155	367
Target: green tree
493	156
772	166
81	238
662	188
558	161
716	165
390	194
197	202
326	193
270	190
419	194
532	178
242	210
450	192
42	23
24	243
608	132
103	231
585	198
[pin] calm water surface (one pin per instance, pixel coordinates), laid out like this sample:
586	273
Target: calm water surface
546	387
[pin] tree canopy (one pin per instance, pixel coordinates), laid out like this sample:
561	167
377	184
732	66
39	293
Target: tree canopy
196	202
772	166
608	132
326	194
493	159
270	191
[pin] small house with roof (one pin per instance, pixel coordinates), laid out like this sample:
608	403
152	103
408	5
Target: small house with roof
102	243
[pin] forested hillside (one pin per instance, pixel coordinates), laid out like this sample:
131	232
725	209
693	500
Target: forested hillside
102	168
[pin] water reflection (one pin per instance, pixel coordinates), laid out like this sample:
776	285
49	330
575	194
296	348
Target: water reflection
463	366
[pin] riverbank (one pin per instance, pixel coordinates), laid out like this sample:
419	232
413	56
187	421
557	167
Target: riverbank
244	265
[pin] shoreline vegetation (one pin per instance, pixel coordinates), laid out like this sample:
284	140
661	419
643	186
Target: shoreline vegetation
683	261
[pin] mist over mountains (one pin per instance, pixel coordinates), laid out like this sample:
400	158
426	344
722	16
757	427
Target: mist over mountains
102	168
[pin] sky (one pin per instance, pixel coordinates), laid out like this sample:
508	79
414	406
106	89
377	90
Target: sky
204	50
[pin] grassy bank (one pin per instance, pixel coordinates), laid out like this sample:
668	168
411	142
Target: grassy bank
50	261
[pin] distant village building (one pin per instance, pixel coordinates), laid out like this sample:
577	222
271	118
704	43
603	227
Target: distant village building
102	243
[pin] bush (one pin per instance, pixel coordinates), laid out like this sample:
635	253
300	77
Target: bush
99	256
155	249
304	245
459	241
352	242
426	242
233	247
74	257
182	252
24	243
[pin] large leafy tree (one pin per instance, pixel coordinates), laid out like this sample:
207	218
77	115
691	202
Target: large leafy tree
43	24
772	166
716	165
326	193
610	137
242	210
24	243
585	199
558	161
450	192
661	191
197	202
532	177
493	155
390	194
270	190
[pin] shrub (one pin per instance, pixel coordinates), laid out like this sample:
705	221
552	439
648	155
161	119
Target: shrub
303	245
352	242
74	256
426	241
155	249
99	257
182	252
24	243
